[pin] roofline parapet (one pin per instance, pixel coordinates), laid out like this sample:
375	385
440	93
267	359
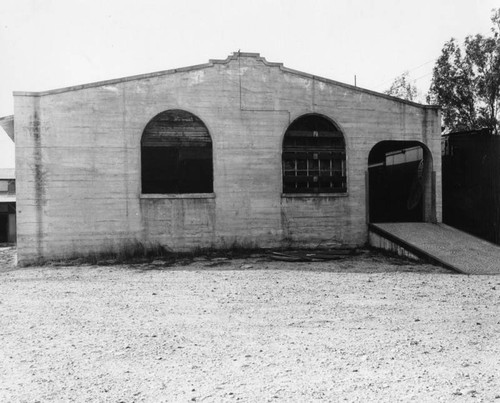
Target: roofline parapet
211	63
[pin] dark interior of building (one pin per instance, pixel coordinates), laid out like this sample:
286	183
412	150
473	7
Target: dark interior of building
396	183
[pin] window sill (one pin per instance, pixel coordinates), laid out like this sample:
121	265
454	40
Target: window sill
177	196
312	195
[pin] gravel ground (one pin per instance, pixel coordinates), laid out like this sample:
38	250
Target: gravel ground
366	328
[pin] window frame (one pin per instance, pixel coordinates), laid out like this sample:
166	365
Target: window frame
179	173
311	149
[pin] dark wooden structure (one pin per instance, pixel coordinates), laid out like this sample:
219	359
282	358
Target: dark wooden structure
471	183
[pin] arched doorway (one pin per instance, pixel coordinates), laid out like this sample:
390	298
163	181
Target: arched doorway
400	182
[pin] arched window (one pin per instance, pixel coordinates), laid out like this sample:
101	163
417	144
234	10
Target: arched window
314	157
176	154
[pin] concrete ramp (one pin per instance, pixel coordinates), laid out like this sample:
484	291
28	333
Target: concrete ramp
439	243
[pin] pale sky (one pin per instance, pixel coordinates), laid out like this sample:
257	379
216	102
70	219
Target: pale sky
47	44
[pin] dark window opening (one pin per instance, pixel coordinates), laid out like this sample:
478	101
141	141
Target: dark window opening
176	154
4	232
314	157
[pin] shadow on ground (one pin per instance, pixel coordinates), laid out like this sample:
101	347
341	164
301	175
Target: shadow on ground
362	261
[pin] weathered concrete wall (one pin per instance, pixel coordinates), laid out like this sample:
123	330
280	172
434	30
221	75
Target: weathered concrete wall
379	242
78	160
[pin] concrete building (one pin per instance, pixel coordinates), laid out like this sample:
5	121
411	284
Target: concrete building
232	152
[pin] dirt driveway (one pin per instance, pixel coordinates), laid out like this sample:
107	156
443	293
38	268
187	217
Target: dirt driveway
367	328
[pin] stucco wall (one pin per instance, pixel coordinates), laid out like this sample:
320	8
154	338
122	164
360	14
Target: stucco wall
78	160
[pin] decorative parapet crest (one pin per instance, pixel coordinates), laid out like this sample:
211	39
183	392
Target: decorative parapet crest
211	63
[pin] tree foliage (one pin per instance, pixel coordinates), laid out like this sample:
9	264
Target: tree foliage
403	88
466	81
